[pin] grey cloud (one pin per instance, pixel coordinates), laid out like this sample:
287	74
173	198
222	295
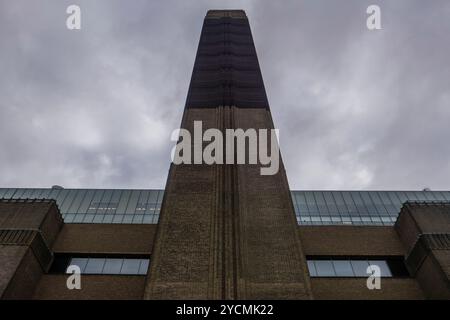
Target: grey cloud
356	109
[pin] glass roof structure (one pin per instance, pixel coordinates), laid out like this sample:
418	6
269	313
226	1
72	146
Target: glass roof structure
139	206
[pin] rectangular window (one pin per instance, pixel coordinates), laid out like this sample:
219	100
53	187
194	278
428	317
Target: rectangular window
101	265
355	267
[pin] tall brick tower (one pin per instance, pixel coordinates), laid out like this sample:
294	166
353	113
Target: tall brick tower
226	231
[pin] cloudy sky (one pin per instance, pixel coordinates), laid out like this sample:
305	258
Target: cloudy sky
356	109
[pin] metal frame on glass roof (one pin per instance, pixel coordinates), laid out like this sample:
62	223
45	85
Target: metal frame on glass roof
142	206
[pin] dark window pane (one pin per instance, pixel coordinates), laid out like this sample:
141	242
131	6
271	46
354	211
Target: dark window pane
384	268
397	268
59	265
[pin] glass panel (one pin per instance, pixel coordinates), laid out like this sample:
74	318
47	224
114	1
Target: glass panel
381	209
35	194
114	201
342	208
19	193
125	197
401	196
311	202
360	267
370	206
412	195
324	268
128	218
98	218
439	195
130	266
349	202
112	266
360	206
343	268
153	197
59	195
330	203
104	204
84	206
446	195
9	193
95	266
45	194
118	218
148	219
144	266
78	198
67	201
312	268
88	218
394	198
142	202
386	200
25	194
95	201
68	218
80	262
78	218
321	204
301	202
2	192
132	203
108	218
137	218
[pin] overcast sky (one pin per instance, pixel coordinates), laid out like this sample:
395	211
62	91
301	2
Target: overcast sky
356	109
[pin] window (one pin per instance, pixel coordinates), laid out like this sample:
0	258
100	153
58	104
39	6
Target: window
101	265
324	268
94	266
343	268
113	266
130	266
355	267
359	267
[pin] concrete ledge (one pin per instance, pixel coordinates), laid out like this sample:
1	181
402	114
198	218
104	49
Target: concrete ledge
106	238
350	241
356	289
118	287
